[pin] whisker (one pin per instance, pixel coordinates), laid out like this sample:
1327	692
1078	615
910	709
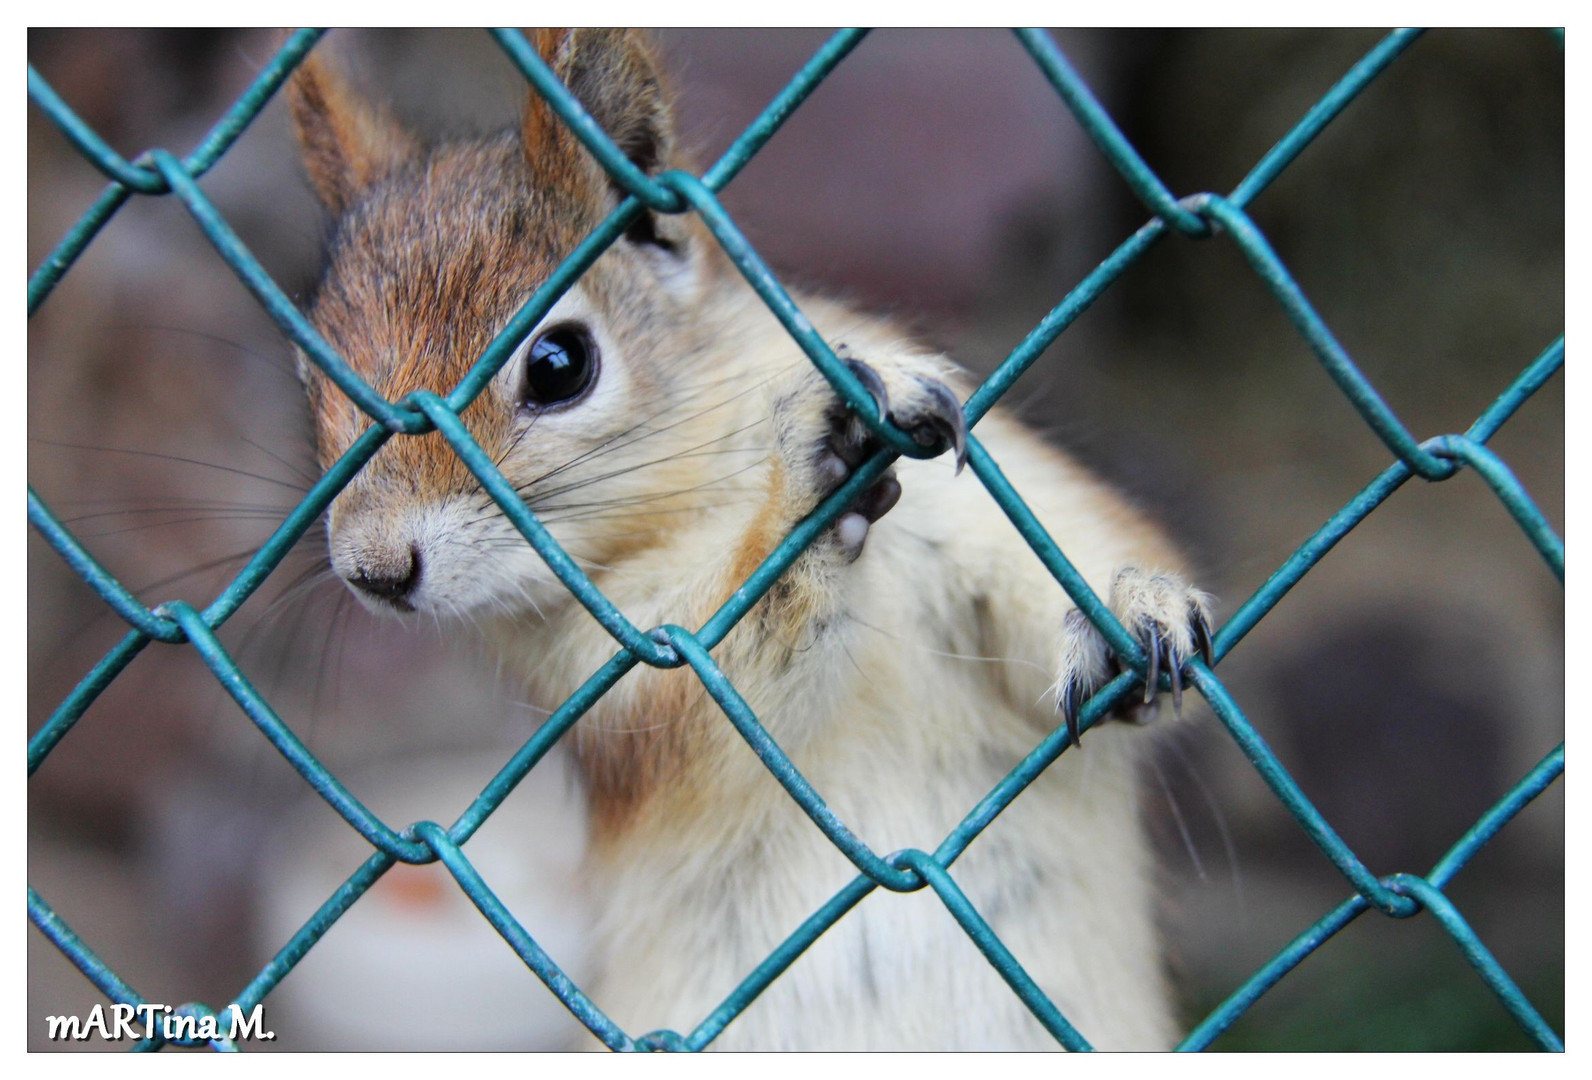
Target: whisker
595	514
954	656
643	465
1222	830
517	440
684	491
219	508
540	508
1177	817
337	632
606	447
308	478
237	515
273	358
311	579
596	451
171	457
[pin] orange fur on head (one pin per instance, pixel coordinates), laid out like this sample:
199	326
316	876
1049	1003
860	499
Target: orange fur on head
348	143
539	127
614	74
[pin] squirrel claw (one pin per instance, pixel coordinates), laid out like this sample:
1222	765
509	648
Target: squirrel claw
934	421
943	423
1152	671
870	382
1071	702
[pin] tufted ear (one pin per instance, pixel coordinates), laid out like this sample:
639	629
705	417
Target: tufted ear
615	75
348	143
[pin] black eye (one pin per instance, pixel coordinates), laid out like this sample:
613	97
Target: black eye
559	366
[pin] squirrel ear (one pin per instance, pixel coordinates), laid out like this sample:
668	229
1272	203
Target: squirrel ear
615	76
347	142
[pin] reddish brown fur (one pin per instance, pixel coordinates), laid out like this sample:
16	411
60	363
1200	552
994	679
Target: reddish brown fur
434	249
661	732
426	268
348	143
539	126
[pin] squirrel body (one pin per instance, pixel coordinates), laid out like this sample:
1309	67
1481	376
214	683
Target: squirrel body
669	433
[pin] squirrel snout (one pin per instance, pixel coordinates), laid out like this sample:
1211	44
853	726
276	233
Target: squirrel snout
389	576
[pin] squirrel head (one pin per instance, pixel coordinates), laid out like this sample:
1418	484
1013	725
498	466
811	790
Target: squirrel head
433	249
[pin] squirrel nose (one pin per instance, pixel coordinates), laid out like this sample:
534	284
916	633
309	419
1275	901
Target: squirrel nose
393	580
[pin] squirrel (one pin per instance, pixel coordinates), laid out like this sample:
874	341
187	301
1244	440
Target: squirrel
665	428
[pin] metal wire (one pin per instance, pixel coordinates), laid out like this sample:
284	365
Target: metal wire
1199	216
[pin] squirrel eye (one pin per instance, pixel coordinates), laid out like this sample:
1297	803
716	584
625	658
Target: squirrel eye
559	366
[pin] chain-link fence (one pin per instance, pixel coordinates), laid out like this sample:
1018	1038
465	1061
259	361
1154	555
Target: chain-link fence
1206	216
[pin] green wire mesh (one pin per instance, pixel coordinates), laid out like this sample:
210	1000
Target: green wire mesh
1200	216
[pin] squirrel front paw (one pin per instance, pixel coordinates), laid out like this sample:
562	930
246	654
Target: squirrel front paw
822	441
1170	618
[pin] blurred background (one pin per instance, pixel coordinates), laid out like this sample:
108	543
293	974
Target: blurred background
1407	682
